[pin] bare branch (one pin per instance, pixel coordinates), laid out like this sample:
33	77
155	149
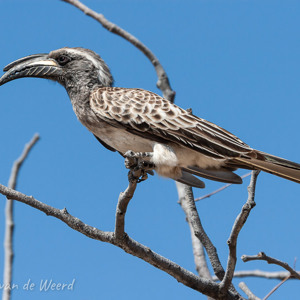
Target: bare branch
220	189
123	202
198	250
271	260
194	220
62	214
247	291
199	255
238	225
163	81
184	276
12	183
129	245
9	221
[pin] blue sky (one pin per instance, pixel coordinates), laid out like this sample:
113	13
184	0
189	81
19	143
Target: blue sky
236	63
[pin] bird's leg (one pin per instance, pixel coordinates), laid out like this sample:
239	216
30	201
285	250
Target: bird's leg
139	167
131	154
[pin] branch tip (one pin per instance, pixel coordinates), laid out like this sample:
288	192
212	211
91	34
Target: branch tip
271	260
237	226
9	226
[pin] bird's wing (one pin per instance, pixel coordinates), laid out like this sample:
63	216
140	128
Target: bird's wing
148	115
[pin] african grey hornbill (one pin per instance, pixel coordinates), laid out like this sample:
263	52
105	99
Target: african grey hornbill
138	123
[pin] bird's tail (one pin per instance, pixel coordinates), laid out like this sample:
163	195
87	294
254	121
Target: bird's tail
271	164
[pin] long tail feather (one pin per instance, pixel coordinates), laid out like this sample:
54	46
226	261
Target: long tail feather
272	164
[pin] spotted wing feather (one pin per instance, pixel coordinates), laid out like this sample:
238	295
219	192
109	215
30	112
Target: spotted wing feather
147	114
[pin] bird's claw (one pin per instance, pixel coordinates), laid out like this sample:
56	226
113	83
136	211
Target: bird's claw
131	162
143	177
139	168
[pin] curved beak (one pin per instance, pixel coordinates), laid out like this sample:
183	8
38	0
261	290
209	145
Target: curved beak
36	65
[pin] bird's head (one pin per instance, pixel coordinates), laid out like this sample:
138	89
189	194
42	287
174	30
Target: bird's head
71	67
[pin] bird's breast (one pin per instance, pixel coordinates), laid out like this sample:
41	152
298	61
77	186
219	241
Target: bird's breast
120	139
117	138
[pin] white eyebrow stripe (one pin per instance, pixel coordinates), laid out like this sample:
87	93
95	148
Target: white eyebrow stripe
86	55
102	74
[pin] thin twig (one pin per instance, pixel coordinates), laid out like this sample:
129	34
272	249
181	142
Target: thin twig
277	287
247	291
271	260
9	221
295	262
163	81
12	183
260	274
238	225
220	189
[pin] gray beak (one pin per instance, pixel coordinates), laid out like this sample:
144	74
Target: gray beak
37	65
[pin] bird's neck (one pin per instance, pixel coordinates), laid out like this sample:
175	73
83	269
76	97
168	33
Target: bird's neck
80	99
78	93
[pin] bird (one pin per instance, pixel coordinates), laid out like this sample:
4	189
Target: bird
143	125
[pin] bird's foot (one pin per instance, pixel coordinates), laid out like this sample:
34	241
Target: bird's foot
139	167
141	171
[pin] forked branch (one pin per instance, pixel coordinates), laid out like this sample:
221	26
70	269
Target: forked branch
129	245
9	221
238	225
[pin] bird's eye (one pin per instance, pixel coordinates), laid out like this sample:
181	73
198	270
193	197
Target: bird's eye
63	59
